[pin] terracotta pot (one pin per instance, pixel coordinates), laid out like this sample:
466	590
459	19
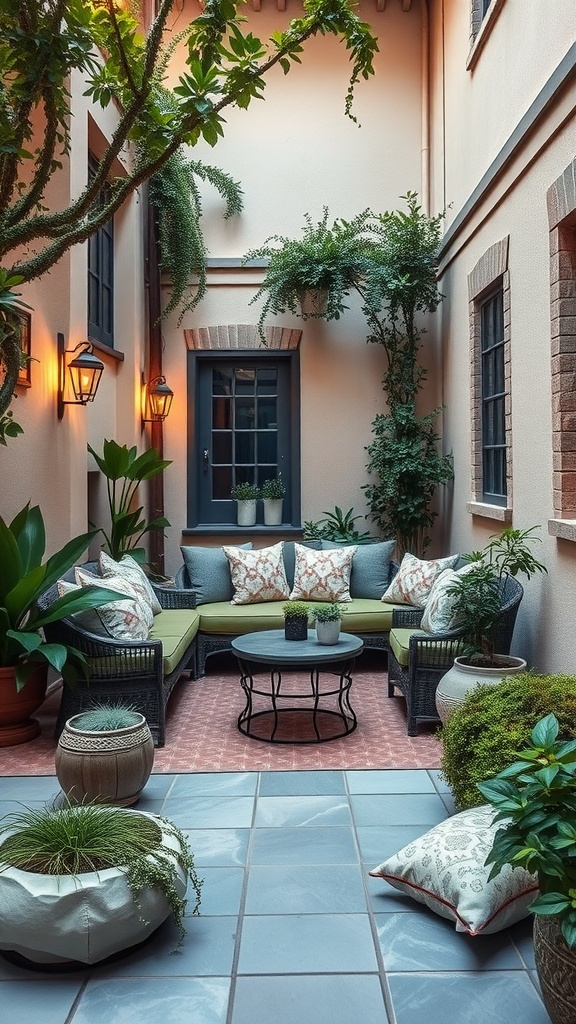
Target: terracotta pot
461	678
313	302
111	766
273	511
328	632
556	966
246	512
16	726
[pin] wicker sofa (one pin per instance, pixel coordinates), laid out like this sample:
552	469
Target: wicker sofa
141	673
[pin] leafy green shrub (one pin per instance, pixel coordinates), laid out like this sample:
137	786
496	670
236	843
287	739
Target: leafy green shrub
484	734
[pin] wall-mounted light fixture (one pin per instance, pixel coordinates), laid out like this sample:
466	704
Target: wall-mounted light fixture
157	400
79	375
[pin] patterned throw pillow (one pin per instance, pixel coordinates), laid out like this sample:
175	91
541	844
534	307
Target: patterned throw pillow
370	567
209	572
445	870
124	620
257	575
413	581
322	575
129	570
439	611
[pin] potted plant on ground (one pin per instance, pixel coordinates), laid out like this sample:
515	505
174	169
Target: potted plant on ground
87	881
536	802
295	620
273	492
327	618
246	496
24	653
105	755
477	595
314	273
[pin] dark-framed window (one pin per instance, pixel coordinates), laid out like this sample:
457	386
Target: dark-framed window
493	398
101	273
485	6
243	425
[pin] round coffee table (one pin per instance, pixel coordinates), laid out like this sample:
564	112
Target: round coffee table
282	711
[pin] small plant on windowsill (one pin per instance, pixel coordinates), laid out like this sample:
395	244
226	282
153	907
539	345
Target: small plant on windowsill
273	489
245	492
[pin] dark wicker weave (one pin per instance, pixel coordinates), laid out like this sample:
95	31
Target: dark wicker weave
129	671
432	655
214	643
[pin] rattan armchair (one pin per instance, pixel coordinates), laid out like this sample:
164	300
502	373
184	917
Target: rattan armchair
432	654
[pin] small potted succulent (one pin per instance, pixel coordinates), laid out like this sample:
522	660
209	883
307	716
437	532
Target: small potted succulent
105	754
246	496
327	618
295	620
535	799
273	492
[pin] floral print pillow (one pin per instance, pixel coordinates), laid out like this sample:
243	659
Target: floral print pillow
121	620
134	574
322	575
257	575
414	579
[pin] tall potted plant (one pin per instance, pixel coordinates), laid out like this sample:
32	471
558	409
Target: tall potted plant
535	799
477	596
24	653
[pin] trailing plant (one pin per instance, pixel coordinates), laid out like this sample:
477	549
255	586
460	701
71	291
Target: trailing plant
295	610
175	194
245	491
125	470
42	45
337	526
477	593
24	577
404	457
481	736
273	488
535	799
90	837
329	612
106	717
326	258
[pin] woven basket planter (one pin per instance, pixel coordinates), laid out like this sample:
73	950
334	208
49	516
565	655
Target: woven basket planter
110	766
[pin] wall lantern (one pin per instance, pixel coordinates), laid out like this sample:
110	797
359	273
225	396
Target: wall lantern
157	400
81	373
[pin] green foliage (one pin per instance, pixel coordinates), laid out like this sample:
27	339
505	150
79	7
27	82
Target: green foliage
338	526
273	488
24	577
41	45
535	798
245	491
125	470
92	837
477	592
329	258
482	735
295	610
407	467
174	192
106	717
329	612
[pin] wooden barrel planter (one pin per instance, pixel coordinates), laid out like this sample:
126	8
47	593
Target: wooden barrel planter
109	766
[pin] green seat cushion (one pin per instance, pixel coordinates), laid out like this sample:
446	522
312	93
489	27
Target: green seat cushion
176	628
400	643
361	616
365	615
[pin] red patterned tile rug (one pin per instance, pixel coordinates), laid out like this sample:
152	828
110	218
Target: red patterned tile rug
202	733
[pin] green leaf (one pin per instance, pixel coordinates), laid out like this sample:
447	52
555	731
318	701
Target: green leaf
545	732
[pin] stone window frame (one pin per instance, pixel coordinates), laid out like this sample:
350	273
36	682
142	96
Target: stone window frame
481	26
561	205
491	268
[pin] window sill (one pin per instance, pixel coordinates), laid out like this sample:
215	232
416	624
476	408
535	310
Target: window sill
498	512
484	31
231	530
106	350
565	529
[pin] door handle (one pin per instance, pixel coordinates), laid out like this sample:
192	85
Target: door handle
205	460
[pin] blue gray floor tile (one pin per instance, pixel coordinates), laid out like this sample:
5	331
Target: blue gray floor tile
292	928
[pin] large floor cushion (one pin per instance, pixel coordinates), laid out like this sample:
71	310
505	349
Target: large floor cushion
176	628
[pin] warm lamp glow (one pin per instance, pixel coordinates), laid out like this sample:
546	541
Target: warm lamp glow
83	372
157	400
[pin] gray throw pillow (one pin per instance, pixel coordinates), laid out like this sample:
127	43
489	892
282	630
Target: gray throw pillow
290	556
370	567
209	572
